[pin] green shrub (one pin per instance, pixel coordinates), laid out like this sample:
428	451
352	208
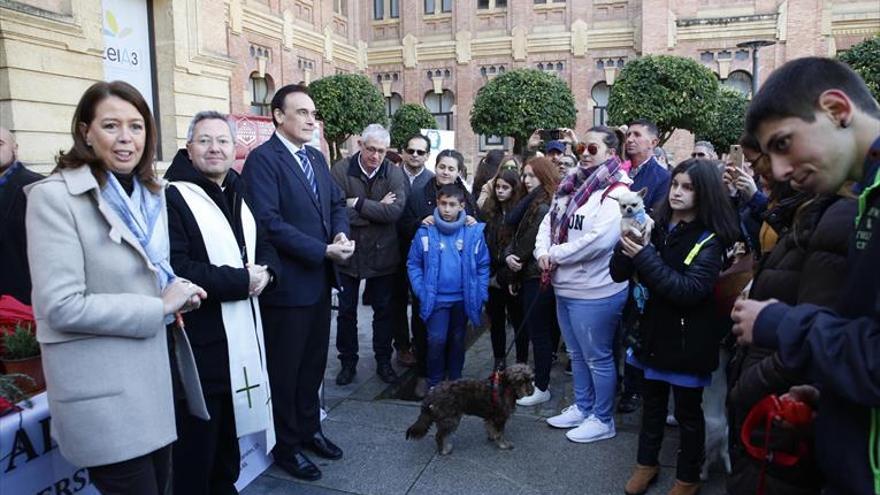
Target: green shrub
20	344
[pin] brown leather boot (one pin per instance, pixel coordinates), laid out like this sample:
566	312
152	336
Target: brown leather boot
683	488
641	479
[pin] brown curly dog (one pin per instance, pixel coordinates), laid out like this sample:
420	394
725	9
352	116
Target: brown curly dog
492	400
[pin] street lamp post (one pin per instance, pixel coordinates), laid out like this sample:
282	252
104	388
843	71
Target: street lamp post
754	46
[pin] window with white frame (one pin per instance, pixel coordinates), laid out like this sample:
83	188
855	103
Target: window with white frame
440	106
437	6
491	4
741	81
392	103
600	93
386	9
262	90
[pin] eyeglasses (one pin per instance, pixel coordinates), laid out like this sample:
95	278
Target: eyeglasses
416	152
206	141
371	150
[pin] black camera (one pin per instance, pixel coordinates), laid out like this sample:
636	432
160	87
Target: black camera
548	135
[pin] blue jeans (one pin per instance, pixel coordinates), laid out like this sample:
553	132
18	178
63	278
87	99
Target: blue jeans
446	332
588	326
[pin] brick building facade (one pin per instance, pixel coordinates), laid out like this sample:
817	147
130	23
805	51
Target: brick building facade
230	55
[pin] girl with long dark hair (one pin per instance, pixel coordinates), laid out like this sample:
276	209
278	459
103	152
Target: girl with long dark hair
503	304
680	328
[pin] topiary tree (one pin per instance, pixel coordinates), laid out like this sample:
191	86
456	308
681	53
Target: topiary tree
864	58
728	120
673	92
408	120
518	102
347	103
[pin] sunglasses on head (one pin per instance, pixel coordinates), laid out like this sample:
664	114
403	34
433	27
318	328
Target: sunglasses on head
416	152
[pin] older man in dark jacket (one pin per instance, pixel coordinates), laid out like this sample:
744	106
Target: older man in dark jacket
15	280
375	192
216	243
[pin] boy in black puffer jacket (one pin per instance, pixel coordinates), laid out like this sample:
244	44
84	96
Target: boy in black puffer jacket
820	126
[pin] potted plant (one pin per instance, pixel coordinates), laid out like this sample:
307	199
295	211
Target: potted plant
11	394
21	354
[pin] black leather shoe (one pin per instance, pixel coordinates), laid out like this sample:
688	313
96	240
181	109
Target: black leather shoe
386	373
346	374
299	466
322	446
629	403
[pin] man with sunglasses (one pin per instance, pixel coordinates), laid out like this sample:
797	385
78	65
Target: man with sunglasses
414	155
375	192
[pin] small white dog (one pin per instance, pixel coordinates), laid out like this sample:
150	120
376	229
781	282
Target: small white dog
635	222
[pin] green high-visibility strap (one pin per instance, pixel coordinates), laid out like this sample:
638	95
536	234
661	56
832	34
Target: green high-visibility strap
696	249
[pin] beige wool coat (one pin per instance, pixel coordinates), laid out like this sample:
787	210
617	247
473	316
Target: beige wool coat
100	325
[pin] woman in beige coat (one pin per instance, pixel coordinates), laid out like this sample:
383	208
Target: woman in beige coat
103	292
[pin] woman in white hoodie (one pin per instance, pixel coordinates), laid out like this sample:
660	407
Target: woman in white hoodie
575	244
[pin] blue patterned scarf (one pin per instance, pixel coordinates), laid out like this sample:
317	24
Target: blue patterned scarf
141	213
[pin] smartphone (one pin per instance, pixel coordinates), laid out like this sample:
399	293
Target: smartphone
736	157
548	135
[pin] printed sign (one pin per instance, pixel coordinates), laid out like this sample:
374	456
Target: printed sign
30	463
127	45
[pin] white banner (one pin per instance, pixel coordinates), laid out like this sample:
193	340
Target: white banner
440	140
30	463
127	45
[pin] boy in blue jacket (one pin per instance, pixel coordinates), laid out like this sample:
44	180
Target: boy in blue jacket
448	267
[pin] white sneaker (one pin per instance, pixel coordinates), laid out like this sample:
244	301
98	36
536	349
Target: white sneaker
538	397
571	416
591	430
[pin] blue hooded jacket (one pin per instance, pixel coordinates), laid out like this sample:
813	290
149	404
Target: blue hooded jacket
423	266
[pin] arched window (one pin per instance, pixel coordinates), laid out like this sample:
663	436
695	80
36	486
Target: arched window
741	81
600	93
392	103
440	107
262	90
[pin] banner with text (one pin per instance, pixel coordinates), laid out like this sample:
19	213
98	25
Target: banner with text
127	45
30	463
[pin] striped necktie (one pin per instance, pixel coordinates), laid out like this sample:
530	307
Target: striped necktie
306	166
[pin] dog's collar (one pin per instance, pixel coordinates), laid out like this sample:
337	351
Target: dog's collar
497	388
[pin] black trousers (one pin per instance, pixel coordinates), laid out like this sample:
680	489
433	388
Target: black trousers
502	307
380	299
149	474
419	339
297	339
399	302
692	427
539	326
206	457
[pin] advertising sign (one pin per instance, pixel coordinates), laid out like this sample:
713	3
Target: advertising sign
127	45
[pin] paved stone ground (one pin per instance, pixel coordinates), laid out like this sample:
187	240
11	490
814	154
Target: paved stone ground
369	424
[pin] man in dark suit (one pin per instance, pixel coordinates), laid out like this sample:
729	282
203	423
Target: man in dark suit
15	279
303	212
